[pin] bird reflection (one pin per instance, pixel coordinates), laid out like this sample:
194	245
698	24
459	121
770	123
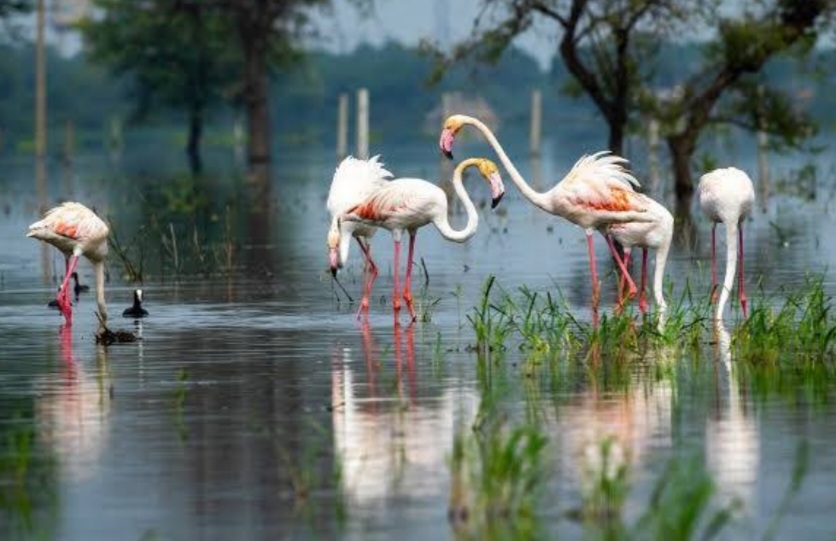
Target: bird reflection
73	410
387	441
732	438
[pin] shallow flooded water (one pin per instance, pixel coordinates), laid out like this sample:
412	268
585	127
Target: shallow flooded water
255	405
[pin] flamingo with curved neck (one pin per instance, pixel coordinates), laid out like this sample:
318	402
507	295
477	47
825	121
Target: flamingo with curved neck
407	204
597	191
727	196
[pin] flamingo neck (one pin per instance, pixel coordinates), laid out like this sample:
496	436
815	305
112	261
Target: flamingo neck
443	224
659	275
731	267
345	232
528	192
100	296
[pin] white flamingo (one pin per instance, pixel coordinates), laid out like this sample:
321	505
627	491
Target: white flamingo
406	204
75	230
597	191
656	234
354	180
727	196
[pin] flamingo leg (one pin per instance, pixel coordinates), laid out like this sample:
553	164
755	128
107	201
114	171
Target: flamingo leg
63	295
740	287
713	263
593	271
625	273
396	300
642	297
407	288
369	276
622	283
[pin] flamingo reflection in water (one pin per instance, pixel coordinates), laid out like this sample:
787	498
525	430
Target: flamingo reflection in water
389	441
73	410
732	439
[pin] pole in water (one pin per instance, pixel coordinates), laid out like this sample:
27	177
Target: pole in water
363	124
342	127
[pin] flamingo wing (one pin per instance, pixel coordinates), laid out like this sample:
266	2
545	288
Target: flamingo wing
72	221
354	180
406	203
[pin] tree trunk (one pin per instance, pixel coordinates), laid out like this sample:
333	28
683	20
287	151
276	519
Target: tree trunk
193	145
258	111
616	139
681	148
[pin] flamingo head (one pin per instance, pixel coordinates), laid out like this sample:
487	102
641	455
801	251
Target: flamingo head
448	134
489	170
333	247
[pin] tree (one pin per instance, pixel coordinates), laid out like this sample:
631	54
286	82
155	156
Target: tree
175	57
266	33
610	48
730	68
11	7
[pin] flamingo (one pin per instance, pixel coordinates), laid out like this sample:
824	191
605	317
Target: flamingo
406	204
136	311
727	196
597	191
354	180
656	234
75	230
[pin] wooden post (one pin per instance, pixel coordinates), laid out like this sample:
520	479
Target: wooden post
363	124
763	161
536	121
653	152
40	106
342	127
69	141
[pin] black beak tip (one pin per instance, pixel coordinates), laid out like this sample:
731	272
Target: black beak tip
496	200
447	154
334	272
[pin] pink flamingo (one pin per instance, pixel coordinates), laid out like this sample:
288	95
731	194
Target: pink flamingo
727	195
406	204
656	234
75	230
597	191
354	181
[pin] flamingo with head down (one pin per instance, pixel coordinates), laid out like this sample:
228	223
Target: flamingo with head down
727	196
354	181
75	230
407	204
656	234
597	192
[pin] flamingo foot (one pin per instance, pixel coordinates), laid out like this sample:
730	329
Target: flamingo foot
364	307
410	304
643	304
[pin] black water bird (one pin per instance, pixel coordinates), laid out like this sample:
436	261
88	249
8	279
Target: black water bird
136	311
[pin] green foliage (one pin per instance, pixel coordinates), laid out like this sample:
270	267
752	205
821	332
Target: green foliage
178	58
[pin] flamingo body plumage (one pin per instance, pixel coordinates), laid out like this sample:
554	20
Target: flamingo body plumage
75	230
407	204
597	191
657	235
727	196
354	180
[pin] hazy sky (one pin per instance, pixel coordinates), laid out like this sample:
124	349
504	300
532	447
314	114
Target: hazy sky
405	21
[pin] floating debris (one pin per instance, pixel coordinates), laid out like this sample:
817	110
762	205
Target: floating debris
107	337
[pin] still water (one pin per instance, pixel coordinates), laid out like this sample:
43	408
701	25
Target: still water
256	406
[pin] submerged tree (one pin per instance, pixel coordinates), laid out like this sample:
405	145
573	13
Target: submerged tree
610	48
174	58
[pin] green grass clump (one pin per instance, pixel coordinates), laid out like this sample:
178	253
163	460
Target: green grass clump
801	331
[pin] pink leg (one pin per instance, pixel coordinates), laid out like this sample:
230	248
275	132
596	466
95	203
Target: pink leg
396	300
63	295
594	272
740	288
713	263
621	281
642	297
407	288
630	284
369	275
